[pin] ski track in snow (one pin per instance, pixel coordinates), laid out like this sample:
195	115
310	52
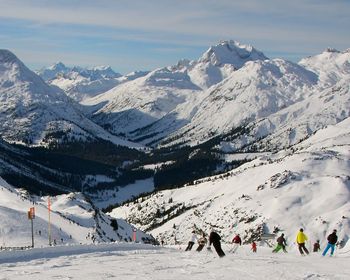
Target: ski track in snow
137	261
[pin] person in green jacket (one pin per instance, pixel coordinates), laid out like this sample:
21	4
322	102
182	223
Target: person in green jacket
301	239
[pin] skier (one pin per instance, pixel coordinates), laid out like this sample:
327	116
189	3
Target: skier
201	243
237	241
317	246
254	247
214	238
281	244
332	240
192	241
301	239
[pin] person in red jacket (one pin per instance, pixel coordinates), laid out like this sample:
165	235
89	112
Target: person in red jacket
237	241
254	247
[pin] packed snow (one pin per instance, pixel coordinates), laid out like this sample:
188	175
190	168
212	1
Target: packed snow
136	261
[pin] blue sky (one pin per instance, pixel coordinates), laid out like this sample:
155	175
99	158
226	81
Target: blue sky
143	35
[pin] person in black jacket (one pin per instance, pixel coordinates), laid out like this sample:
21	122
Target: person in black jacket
214	238
332	240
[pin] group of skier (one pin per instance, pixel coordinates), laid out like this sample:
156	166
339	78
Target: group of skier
301	238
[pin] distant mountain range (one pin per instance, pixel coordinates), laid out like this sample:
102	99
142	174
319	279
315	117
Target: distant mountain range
229	87
80	83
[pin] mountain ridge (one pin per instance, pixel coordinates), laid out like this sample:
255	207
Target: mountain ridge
32	112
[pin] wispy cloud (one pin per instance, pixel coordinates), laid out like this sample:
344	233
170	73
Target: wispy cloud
163	29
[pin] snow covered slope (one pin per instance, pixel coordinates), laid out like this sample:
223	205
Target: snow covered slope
32	112
306	186
73	221
139	103
151	107
331	66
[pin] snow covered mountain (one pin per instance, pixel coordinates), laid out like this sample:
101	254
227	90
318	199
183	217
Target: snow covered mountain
81	83
331	66
278	103
306	186
32	112
165	100
73	221
139	103
52	71
232	86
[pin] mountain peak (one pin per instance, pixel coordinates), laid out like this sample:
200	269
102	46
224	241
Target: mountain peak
231	52
57	66
331	50
7	57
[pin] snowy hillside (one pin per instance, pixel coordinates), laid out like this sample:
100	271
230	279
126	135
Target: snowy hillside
73	221
32	112
81	83
141	102
306	186
331	66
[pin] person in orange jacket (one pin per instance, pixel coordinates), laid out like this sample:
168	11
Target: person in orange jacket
301	239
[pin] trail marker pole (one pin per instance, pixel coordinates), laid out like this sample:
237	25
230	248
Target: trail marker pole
31	216
134	234
49	209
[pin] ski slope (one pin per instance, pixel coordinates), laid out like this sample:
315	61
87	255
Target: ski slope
137	261
307	186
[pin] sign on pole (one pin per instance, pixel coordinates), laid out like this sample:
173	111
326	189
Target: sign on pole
134	234
31	217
